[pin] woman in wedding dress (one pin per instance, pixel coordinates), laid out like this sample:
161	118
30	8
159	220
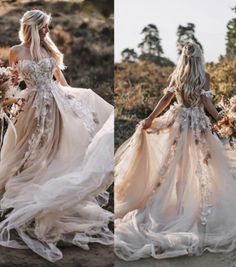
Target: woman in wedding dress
55	172
174	191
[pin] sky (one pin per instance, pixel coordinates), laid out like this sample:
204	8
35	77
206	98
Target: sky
209	16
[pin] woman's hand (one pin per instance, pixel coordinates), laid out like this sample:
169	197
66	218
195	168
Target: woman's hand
147	123
60	76
15	77
220	116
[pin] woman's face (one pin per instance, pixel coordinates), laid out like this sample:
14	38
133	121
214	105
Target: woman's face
43	31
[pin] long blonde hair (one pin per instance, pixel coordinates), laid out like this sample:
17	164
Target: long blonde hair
189	75
31	22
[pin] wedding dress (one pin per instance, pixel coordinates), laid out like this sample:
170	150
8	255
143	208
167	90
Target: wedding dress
54	174
175	188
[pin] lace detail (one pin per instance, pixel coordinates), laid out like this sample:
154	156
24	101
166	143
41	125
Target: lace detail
188	187
80	109
181	118
200	125
36	73
39	79
43	129
54	179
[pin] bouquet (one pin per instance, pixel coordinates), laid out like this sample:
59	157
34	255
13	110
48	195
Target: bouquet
226	127
8	93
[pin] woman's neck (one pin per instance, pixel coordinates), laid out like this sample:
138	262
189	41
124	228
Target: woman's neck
26	45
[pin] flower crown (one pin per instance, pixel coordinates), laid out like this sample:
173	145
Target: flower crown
191	49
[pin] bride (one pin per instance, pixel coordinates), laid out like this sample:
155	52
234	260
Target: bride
174	191
54	174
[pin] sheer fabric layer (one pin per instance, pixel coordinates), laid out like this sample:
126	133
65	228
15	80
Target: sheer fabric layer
175	189
53	178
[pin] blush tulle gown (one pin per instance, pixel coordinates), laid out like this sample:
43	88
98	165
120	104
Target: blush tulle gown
175	188
54	175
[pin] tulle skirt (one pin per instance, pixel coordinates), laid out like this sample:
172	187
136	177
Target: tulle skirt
54	175
174	189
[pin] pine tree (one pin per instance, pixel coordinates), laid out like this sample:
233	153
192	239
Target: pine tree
185	34
231	38
129	55
151	49
151	43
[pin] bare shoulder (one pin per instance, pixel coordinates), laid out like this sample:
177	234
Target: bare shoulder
16	50
16	53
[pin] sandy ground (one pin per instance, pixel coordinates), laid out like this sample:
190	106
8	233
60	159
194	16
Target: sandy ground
206	260
97	256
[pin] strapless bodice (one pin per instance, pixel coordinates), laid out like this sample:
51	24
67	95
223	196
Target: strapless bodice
36	74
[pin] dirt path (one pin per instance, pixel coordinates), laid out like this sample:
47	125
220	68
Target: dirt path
97	256
207	260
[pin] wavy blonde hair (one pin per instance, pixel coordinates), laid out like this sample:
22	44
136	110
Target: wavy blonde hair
189	75
31	22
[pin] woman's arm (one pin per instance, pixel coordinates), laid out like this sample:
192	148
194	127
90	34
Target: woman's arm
210	108
60	77
162	104
207	102
13	59
13	56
